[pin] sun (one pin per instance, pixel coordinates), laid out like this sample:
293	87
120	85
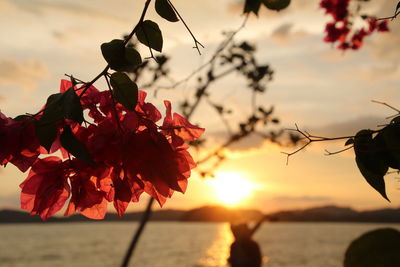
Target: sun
231	187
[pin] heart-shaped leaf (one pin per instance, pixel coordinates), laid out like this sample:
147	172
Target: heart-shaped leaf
72	106
125	91
119	57
150	35
165	10
46	133
132	57
370	161
74	146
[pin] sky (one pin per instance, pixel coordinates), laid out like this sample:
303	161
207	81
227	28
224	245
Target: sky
323	90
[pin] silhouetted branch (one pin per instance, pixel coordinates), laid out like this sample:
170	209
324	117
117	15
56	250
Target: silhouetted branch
196	42
145	218
311	139
328	153
389	106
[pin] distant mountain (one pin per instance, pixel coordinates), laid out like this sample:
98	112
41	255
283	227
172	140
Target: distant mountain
336	214
222	214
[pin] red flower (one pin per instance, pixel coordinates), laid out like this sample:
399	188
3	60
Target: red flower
18	142
46	189
179	128
124	154
87	196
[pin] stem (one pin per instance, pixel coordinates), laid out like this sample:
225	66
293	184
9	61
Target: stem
135	239
86	86
148	211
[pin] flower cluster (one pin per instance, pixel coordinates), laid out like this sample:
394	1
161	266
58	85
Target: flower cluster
117	156
340	29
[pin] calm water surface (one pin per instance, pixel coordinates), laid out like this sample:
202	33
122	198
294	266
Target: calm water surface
173	244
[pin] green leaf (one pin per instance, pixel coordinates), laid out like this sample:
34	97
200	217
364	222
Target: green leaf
165	10
370	161
390	145
46	133
375	248
349	142
252	6
150	35
46	127
119	57
276	4
132	57
53	110
72	106
114	53
74	146
125	91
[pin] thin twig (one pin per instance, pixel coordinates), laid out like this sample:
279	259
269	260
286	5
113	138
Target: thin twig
196	42
313	138
328	153
219	50
391	17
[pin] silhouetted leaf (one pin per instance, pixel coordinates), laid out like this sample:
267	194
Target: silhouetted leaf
74	146
150	35
396	120
165	10
114	53
53	110
125	91
22	117
370	162
391	145
132	56
46	127
119	57
252	6
46	133
375	248
72	106
276	4
349	142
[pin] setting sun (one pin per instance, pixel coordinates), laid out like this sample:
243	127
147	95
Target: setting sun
231	187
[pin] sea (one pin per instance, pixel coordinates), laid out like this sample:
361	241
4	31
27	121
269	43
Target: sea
173	244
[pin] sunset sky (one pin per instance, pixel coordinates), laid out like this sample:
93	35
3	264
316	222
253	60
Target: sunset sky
323	90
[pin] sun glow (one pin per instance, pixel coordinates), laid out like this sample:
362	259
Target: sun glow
231	187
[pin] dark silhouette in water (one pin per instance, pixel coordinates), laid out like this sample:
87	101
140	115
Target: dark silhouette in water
378	248
245	252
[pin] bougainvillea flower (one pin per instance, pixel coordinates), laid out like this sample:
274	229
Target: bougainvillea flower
46	189
339	30
114	157
176	125
18	142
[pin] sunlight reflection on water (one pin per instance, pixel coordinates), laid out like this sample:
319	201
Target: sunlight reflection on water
218	252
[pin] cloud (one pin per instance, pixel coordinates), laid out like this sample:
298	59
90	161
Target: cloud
24	74
350	127
284	34
42	7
